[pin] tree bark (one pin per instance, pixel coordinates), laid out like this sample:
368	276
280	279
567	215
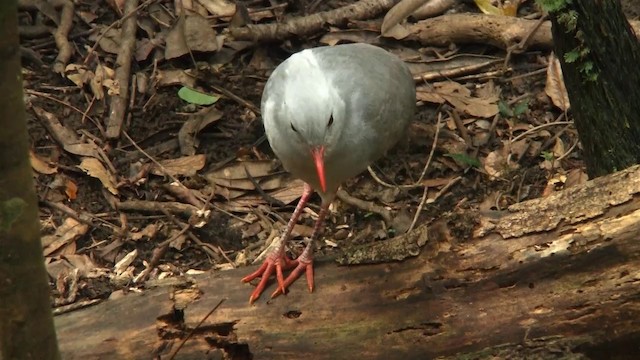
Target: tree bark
599	54
26	324
554	277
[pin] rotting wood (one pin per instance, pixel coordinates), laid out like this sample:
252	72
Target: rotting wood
558	275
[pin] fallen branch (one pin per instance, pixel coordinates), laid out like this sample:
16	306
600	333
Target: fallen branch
500	31
312	24
555	277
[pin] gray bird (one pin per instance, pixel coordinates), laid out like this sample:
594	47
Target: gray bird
328	113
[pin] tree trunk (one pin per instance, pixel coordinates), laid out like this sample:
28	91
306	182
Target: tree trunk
600	54
556	277
26	324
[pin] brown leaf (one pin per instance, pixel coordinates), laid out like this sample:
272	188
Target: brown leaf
484	104
187	134
83	263
70	189
175	77
94	168
149	232
40	166
433	8
191	32
576	177
396	15
235	175
290	192
219	7
554	87
186	165
70	231
350	35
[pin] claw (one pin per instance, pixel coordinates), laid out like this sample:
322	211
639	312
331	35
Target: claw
301	266
277	263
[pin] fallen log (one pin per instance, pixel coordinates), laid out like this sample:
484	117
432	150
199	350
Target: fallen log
556	276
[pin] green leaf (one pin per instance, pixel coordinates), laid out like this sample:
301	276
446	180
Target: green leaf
465	159
504	109
547	155
521	108
194	97
571	56
10	211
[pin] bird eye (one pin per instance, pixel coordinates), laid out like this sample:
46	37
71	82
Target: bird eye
293	128
330	121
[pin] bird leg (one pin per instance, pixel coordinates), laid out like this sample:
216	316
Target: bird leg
304	262
276	258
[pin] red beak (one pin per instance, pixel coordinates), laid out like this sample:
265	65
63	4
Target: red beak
318	158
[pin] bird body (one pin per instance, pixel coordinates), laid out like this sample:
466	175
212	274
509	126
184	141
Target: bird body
328	113
355	101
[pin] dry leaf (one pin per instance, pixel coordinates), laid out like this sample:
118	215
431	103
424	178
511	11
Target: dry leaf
40	166
576	177
235	175
149	232
70	231
433	8
288	193
70	189
175	77
508	9
554	87
196	122
556	183
337	35
558	148
78	74
94	168
121	267
219	7
496	163
396	15
110	42
461	98
82	263
191	32
186	166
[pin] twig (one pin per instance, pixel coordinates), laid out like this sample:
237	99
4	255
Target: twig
461	128
158	253
536	128
61	35
365	205
424	171
49	97
123	71
268	198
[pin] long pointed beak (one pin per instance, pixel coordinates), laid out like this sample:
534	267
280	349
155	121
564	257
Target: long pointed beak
318	158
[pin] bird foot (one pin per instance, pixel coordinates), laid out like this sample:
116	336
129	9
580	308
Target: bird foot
278	262
302	264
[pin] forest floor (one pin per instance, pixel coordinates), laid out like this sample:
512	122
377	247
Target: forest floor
490	131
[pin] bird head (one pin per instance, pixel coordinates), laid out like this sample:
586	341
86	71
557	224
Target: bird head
304	119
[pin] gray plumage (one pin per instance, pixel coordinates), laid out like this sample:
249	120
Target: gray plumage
356	100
